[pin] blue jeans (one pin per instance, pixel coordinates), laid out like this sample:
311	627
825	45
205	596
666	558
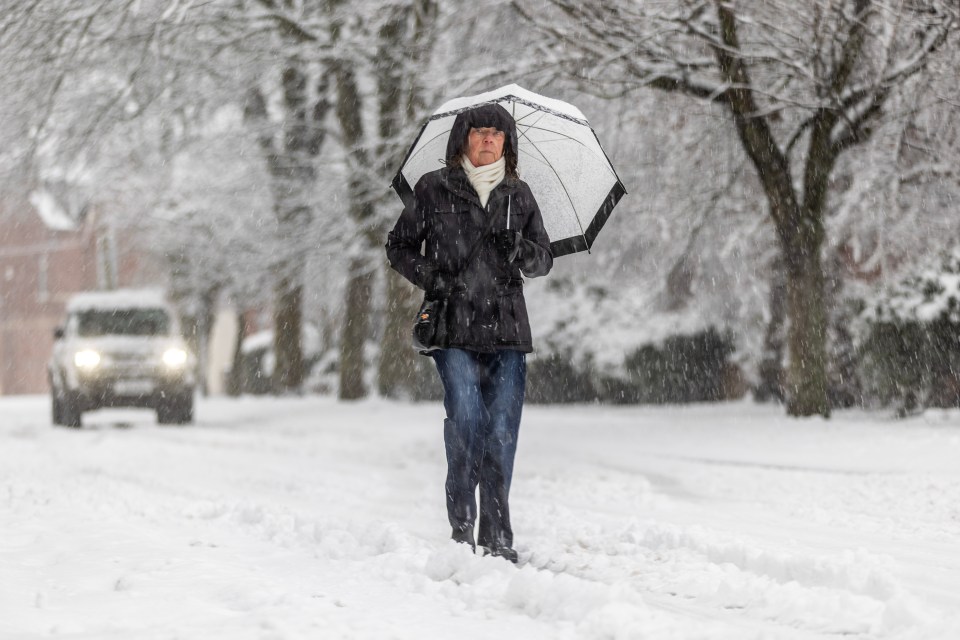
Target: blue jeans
483	396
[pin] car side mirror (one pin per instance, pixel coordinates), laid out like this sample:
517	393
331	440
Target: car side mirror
58	333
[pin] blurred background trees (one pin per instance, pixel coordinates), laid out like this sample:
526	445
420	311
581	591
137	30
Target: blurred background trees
784	162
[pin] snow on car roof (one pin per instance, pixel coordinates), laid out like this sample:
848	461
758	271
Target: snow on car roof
119	298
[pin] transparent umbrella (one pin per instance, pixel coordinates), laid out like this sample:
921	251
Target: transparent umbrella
560	158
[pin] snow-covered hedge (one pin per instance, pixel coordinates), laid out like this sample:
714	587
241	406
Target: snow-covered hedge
610	343
910	339
680	369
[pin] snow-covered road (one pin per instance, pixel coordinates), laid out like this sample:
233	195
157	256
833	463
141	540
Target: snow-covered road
308	518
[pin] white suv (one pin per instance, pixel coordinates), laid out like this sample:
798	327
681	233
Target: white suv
121	349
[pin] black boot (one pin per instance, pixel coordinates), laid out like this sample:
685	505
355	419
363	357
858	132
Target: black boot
507	553
464	535
498	543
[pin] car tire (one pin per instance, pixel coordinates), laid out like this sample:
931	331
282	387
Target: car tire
64	409
70	413
56	402
56	408
176	409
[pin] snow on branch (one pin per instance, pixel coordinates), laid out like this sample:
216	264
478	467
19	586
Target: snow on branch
932	38
290	24
863	102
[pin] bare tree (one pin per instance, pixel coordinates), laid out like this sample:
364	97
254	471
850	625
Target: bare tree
374	98
401	34
802	82
290	150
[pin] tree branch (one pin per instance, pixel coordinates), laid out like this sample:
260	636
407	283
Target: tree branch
864	104
754	130
289	25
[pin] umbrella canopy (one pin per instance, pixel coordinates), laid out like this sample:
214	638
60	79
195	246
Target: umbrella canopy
560	158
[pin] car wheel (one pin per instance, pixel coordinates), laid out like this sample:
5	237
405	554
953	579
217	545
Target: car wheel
57	410
70	414
56	404
176	410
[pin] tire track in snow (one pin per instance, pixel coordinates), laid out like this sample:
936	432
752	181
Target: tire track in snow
837	592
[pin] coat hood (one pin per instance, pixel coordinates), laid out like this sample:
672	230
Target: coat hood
486	115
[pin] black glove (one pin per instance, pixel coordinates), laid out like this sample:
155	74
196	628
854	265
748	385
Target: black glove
508	244
441	285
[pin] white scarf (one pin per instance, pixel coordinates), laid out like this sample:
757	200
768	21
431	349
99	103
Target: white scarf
484	178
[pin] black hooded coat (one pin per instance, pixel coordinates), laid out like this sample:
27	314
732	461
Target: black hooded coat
487	308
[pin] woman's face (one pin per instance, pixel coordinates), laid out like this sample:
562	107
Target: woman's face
484	145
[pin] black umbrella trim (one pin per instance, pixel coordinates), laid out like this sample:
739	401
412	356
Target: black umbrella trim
584	242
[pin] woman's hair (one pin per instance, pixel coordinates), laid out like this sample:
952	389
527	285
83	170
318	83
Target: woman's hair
487	115
509	156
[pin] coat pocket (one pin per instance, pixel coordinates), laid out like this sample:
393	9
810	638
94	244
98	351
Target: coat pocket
513	321
451	222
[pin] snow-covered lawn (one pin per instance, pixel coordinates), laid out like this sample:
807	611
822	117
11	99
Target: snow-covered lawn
308	518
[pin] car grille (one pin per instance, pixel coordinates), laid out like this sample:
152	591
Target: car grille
126	364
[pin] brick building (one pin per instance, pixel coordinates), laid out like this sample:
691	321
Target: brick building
47	253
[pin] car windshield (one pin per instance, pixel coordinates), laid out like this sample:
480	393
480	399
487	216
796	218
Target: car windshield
123	322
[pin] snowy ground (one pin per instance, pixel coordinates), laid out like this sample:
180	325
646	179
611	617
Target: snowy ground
307	518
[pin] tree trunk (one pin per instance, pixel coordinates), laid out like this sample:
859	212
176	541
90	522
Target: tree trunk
807	373
235	377
354	332
404	37
843	380
205	319
290	159
799	226
288	330
398	360
359	289
771	384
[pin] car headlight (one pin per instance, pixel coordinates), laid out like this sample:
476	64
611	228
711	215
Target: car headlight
86	359
175	358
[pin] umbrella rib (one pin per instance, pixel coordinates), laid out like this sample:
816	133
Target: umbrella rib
535	127
571	139
602	163
426	144
562	185
566	192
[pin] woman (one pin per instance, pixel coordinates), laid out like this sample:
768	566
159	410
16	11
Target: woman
484	369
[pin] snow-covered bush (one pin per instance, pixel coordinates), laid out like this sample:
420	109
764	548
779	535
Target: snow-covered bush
613	339
680	369
910	340
690	368
557	378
